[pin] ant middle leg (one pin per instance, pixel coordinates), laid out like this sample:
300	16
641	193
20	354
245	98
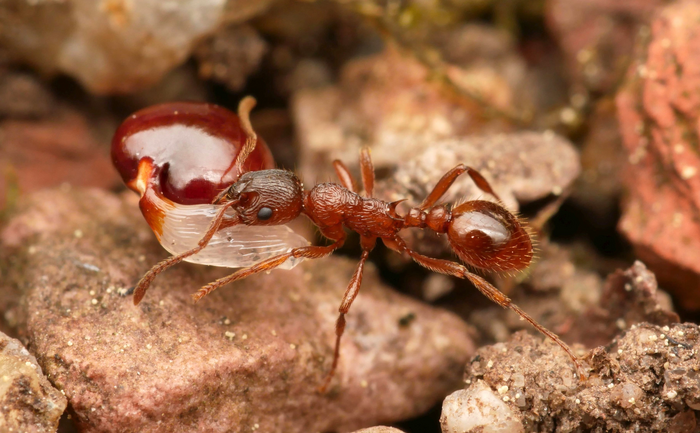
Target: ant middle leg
454	269
449	178
310	252
351	292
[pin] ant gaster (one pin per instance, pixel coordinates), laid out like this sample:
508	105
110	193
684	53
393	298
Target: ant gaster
482	233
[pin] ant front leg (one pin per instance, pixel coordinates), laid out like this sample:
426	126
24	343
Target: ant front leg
350	295
310	252
147	279
456	270
449	178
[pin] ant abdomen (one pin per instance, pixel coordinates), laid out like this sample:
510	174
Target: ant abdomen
486	235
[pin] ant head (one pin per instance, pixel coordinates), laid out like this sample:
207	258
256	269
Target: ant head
267	197
487	236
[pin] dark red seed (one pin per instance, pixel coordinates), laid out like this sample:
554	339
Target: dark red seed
193	146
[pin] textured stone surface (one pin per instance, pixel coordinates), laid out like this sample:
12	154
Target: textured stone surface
28	402
114	46
479	410
645	380
247	357
658	111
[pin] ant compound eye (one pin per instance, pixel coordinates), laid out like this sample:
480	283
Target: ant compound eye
264	213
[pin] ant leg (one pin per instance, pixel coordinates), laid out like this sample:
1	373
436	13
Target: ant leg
456	270
310	252
367	170
147	279
244	108
344	175
449	178
350	295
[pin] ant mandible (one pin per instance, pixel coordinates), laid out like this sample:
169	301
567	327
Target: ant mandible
482	233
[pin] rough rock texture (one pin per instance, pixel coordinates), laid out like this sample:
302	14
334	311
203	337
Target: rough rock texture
114	46
247	357
658	112
28	402
645	380
388	102
628	297
51	151
597	37
230	56
478	409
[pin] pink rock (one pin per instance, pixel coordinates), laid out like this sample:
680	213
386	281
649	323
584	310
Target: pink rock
247	357
52	151
658	111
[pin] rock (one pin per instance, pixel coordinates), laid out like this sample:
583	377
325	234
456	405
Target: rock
658	111
246	357
643	381
230	56
179	84
478	409
577	305
379	429
28	401
114	46
51	151
388	102
603	159
22	95
521	167
597	37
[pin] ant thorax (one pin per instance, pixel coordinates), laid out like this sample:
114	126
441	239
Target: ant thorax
330	204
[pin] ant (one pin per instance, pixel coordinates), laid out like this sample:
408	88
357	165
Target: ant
483	234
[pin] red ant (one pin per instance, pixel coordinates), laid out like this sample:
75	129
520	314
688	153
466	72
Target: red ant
482	233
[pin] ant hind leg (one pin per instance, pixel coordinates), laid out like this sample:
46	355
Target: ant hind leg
455	269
